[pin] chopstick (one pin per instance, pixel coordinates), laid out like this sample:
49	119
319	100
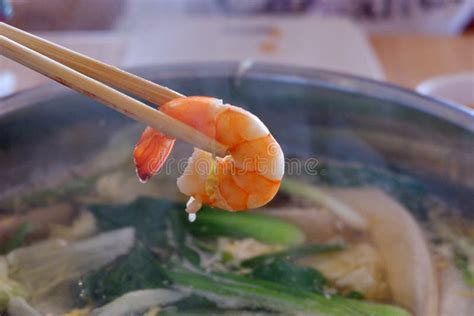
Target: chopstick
99	91
100	71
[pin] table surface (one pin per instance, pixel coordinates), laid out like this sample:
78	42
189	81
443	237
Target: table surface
407	60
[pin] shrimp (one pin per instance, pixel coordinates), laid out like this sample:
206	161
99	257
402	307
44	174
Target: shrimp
248	177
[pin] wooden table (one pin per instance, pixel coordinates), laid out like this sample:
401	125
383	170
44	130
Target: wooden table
408	60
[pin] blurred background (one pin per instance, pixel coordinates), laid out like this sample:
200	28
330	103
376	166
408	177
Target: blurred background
419	44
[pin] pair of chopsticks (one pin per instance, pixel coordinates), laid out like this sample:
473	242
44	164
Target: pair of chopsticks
92	78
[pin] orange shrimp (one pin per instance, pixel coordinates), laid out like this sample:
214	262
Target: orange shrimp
248	177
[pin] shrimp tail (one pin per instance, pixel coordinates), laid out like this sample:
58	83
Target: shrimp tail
151	152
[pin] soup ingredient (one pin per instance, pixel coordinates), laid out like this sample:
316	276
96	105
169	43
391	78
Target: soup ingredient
158	223
263	228
86	311
280	267
273	296
238	250
84	225
402	246
283	272
8	290
8	287
408	191
466	266
195	304
40	220
161	227
292	254
139	270
313	194
249	177
19	307
158	265
17	239
456	297
456	231
33	266
151	218
318	224
357	268
138	302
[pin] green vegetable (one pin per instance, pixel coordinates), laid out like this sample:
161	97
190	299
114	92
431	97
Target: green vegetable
153	219
463	264
157	223
355	295
139	270
292	254
17	239
214	312
273	296
276	286
212	223
8	289
285	273
198	305
277	267
463	246
226	257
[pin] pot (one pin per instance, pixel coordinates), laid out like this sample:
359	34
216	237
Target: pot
381	158
50	133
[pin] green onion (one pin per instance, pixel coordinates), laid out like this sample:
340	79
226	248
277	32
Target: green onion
272	296
270	230
292	254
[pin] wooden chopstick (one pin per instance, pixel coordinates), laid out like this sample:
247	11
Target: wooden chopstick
107	95
91	67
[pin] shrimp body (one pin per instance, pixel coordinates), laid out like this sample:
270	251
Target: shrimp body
248	177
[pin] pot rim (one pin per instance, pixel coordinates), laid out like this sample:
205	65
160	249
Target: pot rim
457	114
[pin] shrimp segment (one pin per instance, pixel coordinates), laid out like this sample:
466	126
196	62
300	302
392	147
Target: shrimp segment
151	152
248	177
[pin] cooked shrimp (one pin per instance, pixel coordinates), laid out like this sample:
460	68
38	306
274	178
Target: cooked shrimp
248	177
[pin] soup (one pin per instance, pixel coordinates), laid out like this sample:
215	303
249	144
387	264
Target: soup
374	216
344	239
